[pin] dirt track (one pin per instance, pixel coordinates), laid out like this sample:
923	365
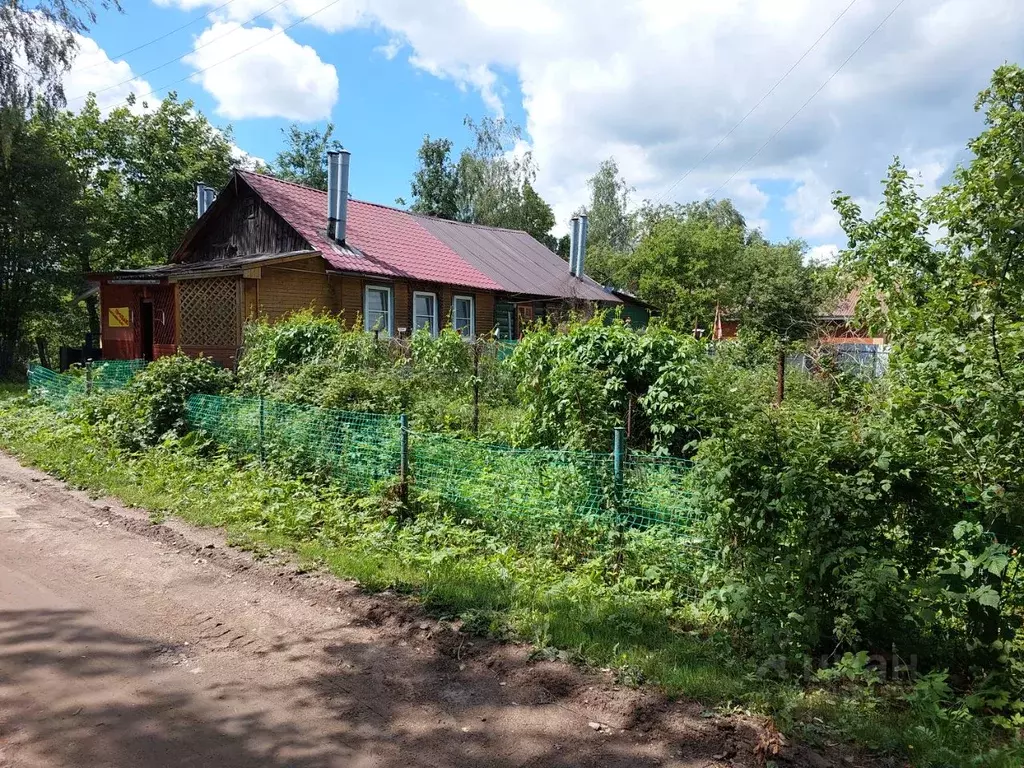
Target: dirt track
124	643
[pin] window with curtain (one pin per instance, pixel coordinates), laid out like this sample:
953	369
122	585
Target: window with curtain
463	316
424	312
377	309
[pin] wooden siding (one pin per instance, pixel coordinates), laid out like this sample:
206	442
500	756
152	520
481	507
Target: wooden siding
484	313
294	286
244	226
251	298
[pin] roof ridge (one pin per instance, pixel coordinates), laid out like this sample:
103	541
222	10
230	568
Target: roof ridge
272	177
461	223
278	179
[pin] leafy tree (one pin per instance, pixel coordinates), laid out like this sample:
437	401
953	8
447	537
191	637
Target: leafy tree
609	220
138	171
37	46
304	159
435	184
695	259
39	226
491	184
953	307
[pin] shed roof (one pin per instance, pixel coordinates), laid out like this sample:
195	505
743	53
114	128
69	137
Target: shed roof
514	259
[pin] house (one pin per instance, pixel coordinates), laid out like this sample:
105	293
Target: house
263	248
636	312
837	334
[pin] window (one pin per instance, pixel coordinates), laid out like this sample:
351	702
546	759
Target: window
463	316
424	312
377	309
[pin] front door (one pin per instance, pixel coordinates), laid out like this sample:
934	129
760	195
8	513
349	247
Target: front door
146	326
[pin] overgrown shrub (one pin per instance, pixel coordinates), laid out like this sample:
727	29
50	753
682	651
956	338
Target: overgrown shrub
152	405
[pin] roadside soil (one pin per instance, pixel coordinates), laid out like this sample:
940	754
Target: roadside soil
128	643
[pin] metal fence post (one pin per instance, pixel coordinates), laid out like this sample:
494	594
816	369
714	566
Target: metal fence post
263	451
403	463
618	459
88	377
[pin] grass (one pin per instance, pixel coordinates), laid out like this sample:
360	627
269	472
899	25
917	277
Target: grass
9	389
462	571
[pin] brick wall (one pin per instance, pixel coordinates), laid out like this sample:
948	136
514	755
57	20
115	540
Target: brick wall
294	286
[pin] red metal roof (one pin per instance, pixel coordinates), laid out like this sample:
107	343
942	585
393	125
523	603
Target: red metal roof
382	241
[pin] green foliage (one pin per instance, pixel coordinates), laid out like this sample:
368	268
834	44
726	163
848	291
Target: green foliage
821	522
435	184
577	383
490	184
151	407
40	226
137	169
304	159
38	42
270	350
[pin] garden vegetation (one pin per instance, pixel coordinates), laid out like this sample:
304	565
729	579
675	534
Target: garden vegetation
852	568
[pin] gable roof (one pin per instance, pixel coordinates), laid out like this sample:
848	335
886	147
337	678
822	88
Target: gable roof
394	243
842	307
380	240
514	259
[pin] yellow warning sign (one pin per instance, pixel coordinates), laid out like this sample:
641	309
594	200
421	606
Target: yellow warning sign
117	317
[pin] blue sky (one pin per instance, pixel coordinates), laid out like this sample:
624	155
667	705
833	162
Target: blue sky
384	108
666	87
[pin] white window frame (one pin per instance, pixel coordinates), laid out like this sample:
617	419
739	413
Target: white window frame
434	324
472	313
389	330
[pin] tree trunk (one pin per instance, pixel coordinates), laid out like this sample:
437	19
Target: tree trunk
44	359
92	306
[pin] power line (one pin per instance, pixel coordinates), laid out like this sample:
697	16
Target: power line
197	48
236	54
164	36
809	100
761	101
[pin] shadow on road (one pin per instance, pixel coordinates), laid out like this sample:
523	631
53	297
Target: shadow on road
75	693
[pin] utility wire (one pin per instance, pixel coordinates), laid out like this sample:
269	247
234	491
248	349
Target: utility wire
761	101
197	48
164	36
809	100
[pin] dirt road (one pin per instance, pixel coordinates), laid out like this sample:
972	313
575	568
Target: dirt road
124	643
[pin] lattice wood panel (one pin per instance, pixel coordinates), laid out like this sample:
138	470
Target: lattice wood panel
211	311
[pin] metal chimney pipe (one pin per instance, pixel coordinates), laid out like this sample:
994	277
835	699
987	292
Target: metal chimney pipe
333	177
574	241
581	249
204	198
343	195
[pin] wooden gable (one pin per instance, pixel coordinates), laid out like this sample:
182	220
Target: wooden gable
239	223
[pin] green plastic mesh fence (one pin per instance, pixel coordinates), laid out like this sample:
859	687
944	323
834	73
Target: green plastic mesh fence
356	449
114	374
60	389
656	490
521	492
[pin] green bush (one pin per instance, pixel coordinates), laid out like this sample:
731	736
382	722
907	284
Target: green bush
152	406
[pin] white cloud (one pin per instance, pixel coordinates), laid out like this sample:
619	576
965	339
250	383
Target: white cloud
93	71
260	72
658	83
245	160
823	254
